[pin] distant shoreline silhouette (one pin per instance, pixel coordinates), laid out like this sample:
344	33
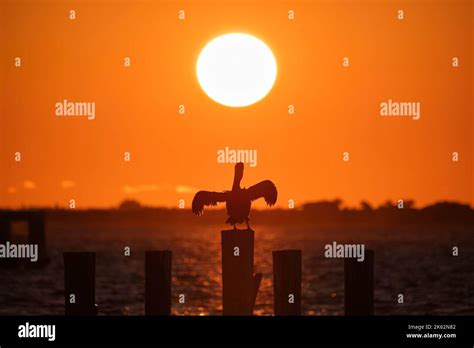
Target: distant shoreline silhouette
319	212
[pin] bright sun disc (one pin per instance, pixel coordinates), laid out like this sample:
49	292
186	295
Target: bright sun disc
236	69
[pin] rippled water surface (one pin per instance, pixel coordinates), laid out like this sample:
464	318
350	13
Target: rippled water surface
407	260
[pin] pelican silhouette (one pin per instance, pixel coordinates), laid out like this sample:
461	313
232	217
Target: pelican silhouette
238	200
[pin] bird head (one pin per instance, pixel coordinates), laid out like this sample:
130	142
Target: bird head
238	175
239	170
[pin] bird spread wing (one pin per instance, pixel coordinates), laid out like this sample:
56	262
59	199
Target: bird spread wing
203	198
265	189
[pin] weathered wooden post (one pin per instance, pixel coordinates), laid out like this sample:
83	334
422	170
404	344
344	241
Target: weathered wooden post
257	279
287	268
359	285
239	285
5	227
158	282
37	235
79	283
5	235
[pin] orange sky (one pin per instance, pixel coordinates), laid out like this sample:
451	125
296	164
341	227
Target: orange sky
337	108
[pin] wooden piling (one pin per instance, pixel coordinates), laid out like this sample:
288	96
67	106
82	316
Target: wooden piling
239	285
158	282
5	236
37	235
287	268
79	283
257	279
359	285
5	228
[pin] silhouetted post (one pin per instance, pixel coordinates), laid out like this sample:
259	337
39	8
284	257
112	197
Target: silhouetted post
158	282
37	235
5	235
79	283
257	279
239	285
359	285
5	227
287	267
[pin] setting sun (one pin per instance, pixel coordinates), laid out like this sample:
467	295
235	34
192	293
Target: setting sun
236	69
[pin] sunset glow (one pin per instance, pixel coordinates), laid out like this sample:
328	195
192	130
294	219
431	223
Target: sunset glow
155	110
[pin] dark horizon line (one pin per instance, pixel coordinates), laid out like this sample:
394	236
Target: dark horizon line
131	204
